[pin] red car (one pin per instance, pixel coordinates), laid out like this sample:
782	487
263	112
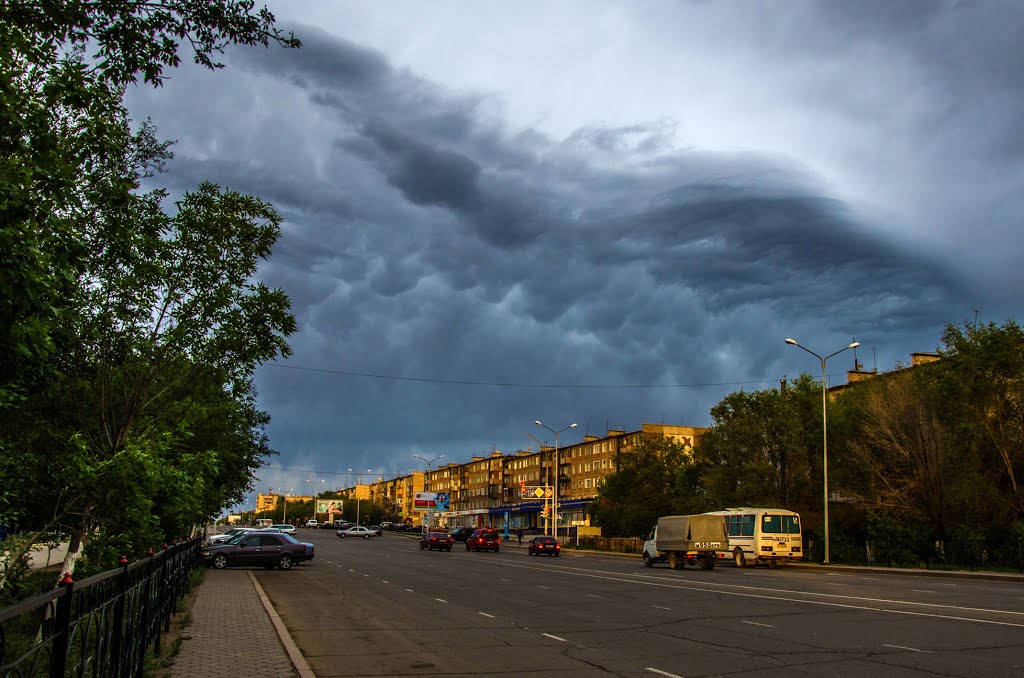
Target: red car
436	540
484	540
549	546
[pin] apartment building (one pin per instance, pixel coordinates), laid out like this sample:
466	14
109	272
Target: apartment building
501	489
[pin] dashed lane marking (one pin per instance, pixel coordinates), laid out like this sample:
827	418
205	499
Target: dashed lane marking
663	673
441	600
659	607
484	614
904	647
758	624
548	635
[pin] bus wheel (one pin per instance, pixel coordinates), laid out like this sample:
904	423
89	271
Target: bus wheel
772	563
739	558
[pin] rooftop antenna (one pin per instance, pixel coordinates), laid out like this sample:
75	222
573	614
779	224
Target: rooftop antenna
874	360
975	316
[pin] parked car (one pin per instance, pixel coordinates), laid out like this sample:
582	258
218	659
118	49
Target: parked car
313	524
226	536
436	540
462	533
269	549
356	531
284	527
377	530
484	540
548	546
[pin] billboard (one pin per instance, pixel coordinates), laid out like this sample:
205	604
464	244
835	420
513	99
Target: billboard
430	501
329	505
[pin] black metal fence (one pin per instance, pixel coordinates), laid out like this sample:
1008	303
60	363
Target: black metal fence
102	626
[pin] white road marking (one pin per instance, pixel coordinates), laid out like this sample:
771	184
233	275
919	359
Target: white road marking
366	575
351	570
554	637
543	587
685	585
664	673
661	608
591	595
869	578
410	590
904	647
441	600
384	581
759	624
489	616
923	590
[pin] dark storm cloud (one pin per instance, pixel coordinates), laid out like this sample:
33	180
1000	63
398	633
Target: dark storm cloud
424	240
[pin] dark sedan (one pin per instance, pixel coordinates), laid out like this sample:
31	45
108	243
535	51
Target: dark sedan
549	546
436	540
269	549
462	533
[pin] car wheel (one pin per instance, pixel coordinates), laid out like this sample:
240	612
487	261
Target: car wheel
467	547
449	549
285	562
557	554
366	536
422	546
495	550
648	561
220	561
738	558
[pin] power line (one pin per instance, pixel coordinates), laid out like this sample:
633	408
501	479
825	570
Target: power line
507	384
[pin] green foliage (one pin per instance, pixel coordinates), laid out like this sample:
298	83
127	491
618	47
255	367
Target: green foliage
758	451
128	335
641	489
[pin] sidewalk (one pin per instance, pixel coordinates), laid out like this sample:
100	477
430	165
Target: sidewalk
234	632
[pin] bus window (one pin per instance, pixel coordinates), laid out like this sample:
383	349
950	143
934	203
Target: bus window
748	526
780	524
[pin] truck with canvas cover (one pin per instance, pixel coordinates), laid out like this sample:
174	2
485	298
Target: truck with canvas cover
687	540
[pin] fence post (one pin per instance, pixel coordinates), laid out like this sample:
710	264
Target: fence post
62	628
117	641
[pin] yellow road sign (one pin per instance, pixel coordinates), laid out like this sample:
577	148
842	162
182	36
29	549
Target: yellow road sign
539	492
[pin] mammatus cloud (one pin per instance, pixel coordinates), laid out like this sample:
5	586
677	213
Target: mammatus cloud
428	242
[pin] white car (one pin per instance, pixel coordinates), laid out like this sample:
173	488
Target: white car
224	536
356	531
284	527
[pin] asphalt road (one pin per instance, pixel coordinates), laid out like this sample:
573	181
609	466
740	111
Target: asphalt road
383	607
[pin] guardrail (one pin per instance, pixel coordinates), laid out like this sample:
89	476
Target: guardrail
102	626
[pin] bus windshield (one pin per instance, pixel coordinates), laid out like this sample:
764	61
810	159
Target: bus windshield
780	524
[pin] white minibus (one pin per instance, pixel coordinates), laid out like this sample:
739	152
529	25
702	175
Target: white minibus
762	535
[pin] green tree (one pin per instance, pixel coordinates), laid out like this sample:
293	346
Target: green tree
759	451
641	489
981	402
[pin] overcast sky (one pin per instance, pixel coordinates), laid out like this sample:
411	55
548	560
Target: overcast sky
601	212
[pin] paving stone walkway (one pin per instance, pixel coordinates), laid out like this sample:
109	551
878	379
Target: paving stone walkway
231	633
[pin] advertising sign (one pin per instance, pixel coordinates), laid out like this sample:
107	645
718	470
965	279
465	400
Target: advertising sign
430	501
328	505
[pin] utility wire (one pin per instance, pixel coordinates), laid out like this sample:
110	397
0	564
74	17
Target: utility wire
509	384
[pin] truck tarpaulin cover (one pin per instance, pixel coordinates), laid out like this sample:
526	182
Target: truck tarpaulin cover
690	533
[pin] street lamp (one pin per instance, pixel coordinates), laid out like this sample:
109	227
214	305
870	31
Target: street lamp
428	462
554	503
540	448
824	425
284	515
316	493
369	470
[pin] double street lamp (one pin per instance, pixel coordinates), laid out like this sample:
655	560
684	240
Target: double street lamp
316	493
554	503
824	424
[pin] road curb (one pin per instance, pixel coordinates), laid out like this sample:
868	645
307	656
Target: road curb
298	661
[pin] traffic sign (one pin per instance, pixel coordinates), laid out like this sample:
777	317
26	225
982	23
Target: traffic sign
548	493
538	492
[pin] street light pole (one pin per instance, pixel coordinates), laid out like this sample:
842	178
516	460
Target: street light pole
554	503
540	448
284	515
824	426
316	493
428	462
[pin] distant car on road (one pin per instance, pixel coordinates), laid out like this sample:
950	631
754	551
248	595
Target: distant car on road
284	527
356	531
377	530
547	546
312	524
269	549
484	540
462	533
436	540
